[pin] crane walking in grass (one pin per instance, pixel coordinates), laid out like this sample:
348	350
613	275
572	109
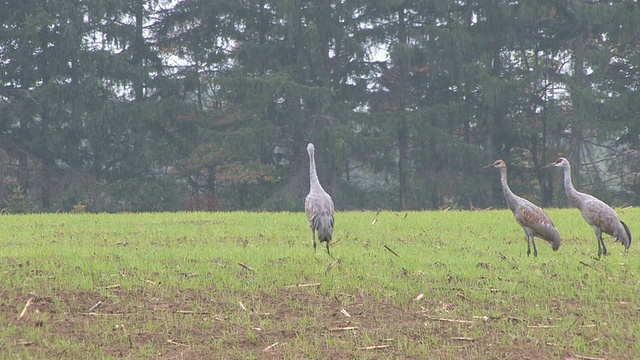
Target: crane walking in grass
599	215
318	206
534	221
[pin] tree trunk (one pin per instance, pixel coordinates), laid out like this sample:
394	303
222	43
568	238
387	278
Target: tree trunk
402	129
138	51
403	160
579	106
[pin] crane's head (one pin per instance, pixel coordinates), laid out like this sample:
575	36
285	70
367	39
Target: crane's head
498	164
561	162
310	148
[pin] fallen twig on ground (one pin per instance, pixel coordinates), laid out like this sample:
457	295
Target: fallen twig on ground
330	266
246	267
374	347
591	266
26	307
463	338
109	287
173	342
192	312
393	252
271	346
242	305
303	285
452	320
99	314
95	306
347	328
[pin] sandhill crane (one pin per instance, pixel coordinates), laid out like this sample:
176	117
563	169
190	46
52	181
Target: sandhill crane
318	206
599	215
534	221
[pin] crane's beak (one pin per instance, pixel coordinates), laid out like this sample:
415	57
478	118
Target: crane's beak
546	166
488	166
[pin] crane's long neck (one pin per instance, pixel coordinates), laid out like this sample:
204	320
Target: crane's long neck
313	176
508	194
572	193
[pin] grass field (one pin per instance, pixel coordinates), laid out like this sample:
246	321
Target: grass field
248	285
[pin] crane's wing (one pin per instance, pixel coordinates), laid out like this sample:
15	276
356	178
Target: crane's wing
534	218
319	205
319	209
308	206
600	215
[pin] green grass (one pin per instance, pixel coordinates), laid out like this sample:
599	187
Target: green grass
170	285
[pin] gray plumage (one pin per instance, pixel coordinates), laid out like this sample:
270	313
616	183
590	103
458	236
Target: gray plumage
534	221
318	206
599	215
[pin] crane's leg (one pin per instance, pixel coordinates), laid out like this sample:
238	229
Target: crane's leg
535	251
601	248
604	248
329	252
528	246
313	234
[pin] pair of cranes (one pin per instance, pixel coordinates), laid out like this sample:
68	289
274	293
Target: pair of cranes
535	222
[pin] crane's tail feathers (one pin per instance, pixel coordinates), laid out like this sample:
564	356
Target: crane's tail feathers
325	229
626	229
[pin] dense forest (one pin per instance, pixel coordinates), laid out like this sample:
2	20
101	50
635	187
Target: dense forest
152	105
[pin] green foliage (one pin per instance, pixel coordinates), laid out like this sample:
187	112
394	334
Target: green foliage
224	96
146	194
19	202
79	208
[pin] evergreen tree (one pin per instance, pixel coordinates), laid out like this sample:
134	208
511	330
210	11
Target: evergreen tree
149	106
84	104
289	85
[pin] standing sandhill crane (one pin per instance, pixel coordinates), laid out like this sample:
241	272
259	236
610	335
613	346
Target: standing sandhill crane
318	206
599	215
534	221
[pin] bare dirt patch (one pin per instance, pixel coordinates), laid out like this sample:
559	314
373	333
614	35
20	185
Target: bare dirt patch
294	322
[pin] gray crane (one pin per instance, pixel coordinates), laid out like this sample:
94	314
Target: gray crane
318	205
599	215
534	221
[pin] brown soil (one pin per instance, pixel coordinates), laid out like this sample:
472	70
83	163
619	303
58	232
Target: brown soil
298	322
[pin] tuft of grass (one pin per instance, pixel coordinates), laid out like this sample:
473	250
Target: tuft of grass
437	284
